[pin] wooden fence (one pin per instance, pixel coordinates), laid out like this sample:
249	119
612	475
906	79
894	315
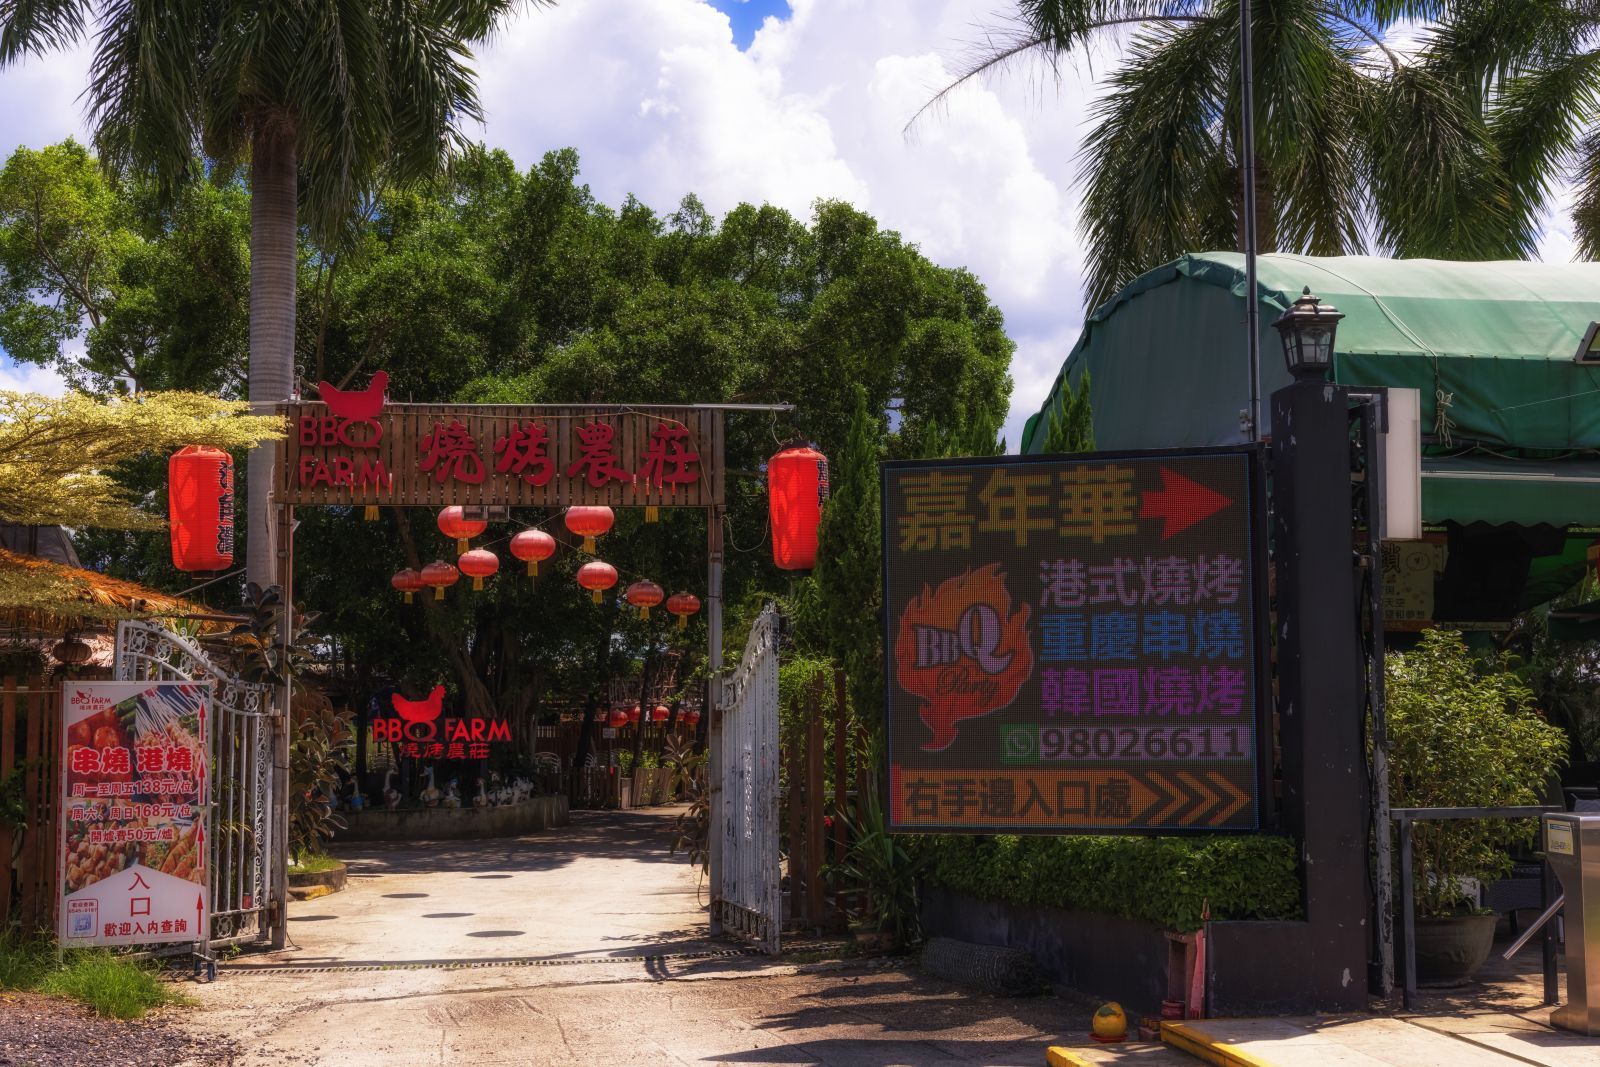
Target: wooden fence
811	805
29	786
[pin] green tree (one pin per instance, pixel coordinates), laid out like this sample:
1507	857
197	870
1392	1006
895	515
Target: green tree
1497	106
1071	426
320	100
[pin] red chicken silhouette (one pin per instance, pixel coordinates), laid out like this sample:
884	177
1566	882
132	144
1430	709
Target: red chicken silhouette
356	405
420	710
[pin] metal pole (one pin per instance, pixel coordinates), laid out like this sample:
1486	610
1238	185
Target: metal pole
1408	925
715	765
1552	983
1247	168
278	856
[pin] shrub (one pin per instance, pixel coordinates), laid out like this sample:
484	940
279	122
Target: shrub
1163	880
112	985
1463	733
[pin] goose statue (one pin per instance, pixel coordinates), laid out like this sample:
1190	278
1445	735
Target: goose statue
391	795
430	793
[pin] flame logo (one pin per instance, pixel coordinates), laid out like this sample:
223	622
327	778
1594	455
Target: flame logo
962	651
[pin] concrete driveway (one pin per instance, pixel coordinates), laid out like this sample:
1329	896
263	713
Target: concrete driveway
583	945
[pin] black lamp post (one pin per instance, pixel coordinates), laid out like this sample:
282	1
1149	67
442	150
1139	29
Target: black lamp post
1307	330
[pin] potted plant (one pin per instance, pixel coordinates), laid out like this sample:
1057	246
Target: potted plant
883	872
1463	732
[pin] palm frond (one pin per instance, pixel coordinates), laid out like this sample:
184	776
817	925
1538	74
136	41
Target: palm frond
34	27
1538	123
1586	211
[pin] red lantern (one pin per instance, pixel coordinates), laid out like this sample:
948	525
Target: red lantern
589	523
453	524
797	484
408	581
532	546
644	595
440	575
633	714
617	719
478	564
596	576
691	718
200	499
683	605
659	713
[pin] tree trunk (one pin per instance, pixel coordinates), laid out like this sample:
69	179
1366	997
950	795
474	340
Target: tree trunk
273	273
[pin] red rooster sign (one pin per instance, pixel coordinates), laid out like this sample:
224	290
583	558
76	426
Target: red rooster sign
355	405
419	710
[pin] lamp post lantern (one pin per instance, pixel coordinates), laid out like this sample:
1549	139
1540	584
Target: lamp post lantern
1307	329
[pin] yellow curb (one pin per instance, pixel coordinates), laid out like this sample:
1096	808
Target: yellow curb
1187	1037
1056	1056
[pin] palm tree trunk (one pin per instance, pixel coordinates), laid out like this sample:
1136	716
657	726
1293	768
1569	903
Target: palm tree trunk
273	275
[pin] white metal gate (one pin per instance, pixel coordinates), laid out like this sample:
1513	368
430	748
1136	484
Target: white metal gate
745	766
247	876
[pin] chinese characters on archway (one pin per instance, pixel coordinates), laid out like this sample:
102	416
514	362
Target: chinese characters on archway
622	457
134	793
1073	643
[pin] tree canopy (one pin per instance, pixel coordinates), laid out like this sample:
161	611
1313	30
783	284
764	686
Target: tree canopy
496	285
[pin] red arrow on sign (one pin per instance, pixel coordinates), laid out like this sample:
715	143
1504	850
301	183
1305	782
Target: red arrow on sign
1180	503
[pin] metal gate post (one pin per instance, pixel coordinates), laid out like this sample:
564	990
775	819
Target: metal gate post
716	765
278	855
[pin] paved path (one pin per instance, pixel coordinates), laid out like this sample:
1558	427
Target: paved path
531	952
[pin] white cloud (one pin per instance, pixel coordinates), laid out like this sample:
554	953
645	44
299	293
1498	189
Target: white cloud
39	99
24	378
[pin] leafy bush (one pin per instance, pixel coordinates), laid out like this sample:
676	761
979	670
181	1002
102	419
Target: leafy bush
1163	880
322	741
885	868
1463	733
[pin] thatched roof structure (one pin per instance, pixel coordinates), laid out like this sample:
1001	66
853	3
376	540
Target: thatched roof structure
41	596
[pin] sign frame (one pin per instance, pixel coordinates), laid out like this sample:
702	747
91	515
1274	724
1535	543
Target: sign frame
1260	657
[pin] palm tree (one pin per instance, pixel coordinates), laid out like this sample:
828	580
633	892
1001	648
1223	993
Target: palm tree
1450	148
318	98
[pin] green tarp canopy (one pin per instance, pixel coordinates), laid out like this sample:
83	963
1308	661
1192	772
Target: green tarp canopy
1511	422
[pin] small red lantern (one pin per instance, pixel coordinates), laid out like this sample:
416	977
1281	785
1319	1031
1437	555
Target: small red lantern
408	581
452	523
691	718
532	546
644	595
683	605
659	713
617	719
589	522
633	715
200	499
478	564
797	484
440	575
596	576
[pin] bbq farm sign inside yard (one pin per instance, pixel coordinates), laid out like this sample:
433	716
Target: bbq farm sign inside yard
133	830
355	448
1074	644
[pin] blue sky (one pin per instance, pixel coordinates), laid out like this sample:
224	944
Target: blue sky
747	16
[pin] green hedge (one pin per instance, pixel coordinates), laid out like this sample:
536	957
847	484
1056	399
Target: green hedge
1163	880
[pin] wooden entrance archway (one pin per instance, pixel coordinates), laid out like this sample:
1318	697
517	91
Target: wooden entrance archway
353	448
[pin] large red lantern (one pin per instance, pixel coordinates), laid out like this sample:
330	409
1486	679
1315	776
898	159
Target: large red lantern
452	523
531	546
659	713
644	595
797	484
683	605
478	564
408	581
589	522
200	498
617	719
596	576
691	718
633	714
440	575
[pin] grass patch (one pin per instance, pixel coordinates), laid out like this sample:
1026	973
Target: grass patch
114	986
312	863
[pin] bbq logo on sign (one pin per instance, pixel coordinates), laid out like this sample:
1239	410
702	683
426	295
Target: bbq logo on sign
1074	642
422	730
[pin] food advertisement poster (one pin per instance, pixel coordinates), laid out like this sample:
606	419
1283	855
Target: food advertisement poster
1074	644
133	835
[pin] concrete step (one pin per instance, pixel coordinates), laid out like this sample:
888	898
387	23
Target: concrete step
1367	1041
1126	1054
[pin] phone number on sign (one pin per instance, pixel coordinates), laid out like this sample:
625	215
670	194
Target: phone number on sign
1146	743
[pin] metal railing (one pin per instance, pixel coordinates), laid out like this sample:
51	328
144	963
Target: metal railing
1407	818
